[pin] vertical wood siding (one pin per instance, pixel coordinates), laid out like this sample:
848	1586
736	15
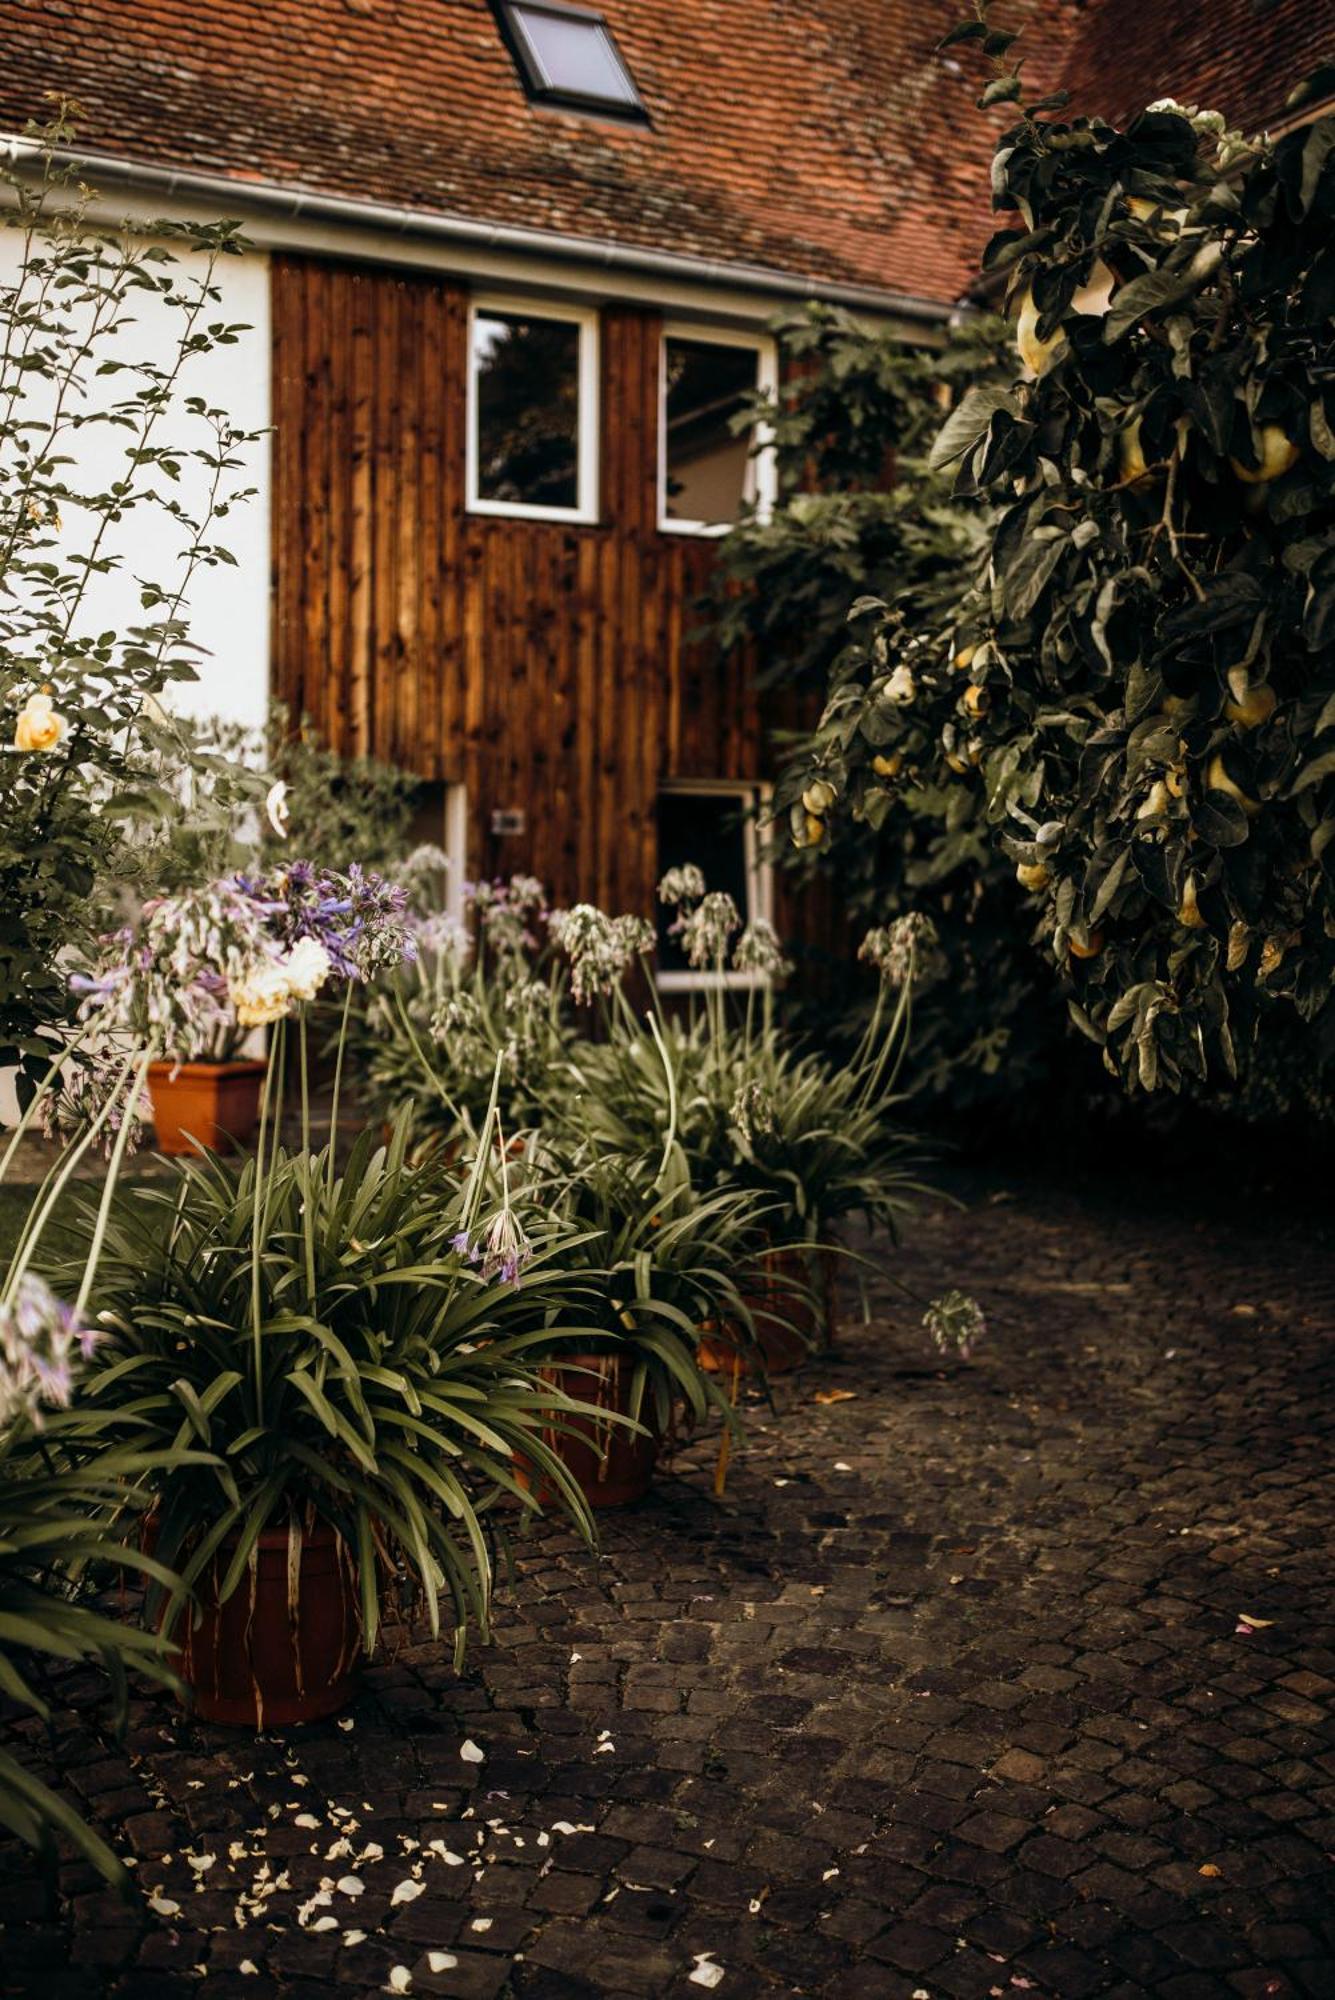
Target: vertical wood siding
557	669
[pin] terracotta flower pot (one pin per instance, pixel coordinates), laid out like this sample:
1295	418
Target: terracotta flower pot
285	1645
213	1103
778	1292
611	1464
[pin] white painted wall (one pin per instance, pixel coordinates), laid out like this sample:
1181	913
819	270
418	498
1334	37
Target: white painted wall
227	609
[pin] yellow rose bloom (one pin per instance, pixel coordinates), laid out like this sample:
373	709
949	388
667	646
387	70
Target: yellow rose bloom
40	725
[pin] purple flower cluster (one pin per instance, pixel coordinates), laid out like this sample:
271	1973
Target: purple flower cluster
359	918
502	1252
508	914
40	1341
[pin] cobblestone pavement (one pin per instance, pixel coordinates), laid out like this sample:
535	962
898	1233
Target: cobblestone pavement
947	1697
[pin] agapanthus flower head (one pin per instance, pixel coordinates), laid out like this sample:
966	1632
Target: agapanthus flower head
508	914
956	1323
359	918
41	1344
752	1112
758	950
78	1097
601	949
169	980
682	885
707	930
441	935
907	949
461	1014
505	1248
423	875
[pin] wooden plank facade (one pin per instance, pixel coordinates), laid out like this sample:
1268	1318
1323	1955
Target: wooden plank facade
555	668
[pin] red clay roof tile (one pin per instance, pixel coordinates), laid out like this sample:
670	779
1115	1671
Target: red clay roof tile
821	138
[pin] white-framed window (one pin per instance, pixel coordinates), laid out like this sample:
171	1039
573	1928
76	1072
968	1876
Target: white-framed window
713	823
532	420
707	470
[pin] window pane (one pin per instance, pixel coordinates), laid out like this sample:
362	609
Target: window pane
527	409
709	469
707	828
575	56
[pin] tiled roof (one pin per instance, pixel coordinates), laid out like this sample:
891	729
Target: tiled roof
1241	57
819	138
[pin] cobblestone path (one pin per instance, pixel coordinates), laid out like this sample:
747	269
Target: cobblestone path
948	1697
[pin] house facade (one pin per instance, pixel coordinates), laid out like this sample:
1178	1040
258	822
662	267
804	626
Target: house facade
513	268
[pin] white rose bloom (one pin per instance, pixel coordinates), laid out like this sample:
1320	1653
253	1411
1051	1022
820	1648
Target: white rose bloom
306	968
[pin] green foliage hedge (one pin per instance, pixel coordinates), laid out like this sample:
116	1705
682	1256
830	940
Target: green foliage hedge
1136	698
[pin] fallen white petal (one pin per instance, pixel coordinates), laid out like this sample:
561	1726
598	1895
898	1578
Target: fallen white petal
325	1924
163	1906
406	1892
350	1885
306	1820
400	1979
441	1961
706	1973
354	1937
481	1924
470	1752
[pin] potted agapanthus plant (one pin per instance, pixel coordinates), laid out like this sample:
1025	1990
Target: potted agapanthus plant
481	991
352	1373
814	1138
207	1094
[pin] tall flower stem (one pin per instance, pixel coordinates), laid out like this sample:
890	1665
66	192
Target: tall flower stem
670	1136
109	1186
267	1107
338	1081
307	1212
42	1211
26	1118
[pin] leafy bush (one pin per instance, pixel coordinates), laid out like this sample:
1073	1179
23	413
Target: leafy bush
1136	698
481	1000
863	521
62	1533
78	708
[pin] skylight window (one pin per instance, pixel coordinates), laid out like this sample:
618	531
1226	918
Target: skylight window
566	55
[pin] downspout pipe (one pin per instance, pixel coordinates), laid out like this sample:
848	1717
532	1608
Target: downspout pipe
266	198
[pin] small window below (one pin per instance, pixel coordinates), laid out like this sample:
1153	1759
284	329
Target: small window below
566	56
441	820
712	825
532	419
709	469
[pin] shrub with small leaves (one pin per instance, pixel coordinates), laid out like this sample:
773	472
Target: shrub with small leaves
1138	696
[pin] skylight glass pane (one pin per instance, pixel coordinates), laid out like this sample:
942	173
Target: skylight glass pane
527	409
574	56
709	466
